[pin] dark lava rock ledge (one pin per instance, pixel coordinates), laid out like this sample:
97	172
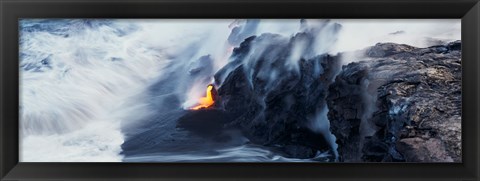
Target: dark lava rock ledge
401	103
274	98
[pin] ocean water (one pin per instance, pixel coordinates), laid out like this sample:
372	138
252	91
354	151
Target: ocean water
82	80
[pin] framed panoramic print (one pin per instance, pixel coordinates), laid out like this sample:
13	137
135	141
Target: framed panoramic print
270	90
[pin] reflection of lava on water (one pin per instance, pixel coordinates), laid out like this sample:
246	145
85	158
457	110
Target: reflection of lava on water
207	101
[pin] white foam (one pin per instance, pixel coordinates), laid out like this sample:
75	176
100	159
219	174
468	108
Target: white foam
73	111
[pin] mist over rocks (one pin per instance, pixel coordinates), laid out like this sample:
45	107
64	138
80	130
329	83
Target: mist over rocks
242	30
401	104
275	93
395	103
286	94
147	95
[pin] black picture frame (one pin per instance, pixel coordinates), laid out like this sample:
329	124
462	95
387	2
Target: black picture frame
12	10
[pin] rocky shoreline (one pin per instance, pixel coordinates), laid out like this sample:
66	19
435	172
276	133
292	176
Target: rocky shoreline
398	103
401	104
392	103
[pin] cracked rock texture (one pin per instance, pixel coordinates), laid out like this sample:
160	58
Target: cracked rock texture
400	103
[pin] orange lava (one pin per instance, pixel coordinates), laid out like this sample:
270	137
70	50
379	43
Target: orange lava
207	101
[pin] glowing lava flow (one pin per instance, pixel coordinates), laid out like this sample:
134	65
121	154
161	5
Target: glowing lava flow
207	101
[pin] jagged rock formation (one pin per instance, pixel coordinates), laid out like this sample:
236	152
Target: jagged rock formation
401	103
274	97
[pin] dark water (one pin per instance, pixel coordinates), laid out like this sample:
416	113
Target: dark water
74	95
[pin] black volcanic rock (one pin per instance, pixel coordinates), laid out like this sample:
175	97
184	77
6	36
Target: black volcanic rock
387	49
401	104
274	95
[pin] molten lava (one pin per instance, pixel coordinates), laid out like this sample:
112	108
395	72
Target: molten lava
207	101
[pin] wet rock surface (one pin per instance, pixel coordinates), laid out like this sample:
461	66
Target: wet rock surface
400	104
394	103
274	97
